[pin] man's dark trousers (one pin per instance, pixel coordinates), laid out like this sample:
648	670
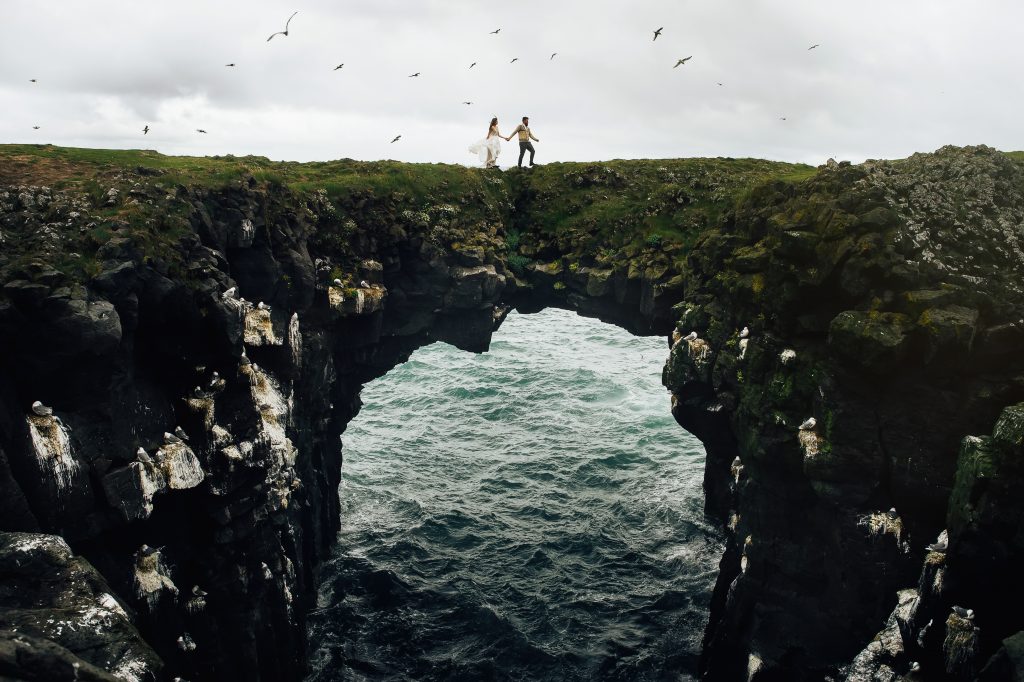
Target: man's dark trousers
523	146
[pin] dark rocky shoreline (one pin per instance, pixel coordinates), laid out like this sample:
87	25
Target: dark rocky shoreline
883	300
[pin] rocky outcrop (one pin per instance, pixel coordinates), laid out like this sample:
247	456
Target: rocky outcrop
869	352
833	337
60	620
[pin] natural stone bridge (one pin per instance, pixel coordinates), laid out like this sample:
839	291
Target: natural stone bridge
832	338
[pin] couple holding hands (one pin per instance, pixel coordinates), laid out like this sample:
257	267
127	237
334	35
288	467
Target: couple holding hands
490	147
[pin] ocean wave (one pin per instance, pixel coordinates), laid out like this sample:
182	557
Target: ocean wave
530	513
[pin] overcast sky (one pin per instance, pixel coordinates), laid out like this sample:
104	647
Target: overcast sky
890	77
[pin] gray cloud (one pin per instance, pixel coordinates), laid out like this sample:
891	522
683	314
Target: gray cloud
888	79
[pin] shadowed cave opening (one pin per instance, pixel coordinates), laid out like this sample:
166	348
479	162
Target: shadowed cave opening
532	512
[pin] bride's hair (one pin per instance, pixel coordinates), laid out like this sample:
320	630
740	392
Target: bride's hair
494	122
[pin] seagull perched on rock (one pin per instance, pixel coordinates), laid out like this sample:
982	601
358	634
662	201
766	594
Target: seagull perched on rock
692	336
337	283
41	410
230	293
941	543
657	33
363	284
143	456
745	332
262	306
967	614
145	131
682	61
809	424
285	31
171	439
186	643
180	433
397	138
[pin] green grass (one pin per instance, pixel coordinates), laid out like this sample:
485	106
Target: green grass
613	209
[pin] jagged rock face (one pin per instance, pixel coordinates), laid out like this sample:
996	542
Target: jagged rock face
882	341
870	353
59	616
261	383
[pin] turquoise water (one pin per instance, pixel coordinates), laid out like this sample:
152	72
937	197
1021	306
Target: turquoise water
530	513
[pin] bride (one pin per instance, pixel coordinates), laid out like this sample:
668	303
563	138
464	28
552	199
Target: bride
489	147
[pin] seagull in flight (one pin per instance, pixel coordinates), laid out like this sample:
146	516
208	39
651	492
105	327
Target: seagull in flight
782	118
285	31
472	65
683	61
231	64
200	130
553	55
397	138
35	127
657	33
514	60
145	131
494	33
718	83
468	103
415	75
32	80
338	66
813	46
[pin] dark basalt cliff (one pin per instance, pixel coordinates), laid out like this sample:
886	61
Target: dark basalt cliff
883	301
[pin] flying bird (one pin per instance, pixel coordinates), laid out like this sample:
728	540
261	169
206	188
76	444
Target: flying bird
145	131
231	64
472	65
285	31
494	33
812	47
514	60
200	130
338	66
397	138
35	127
32	80
657	33
553	55
683	61
468	103
415	75
782	118
719	84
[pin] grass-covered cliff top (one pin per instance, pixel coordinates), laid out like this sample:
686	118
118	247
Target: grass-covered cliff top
59	206
657	205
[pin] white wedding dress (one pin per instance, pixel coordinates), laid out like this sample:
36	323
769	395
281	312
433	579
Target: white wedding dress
487	149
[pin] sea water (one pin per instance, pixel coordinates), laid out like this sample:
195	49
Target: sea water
529	513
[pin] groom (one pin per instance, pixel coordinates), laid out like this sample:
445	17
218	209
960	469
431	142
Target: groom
524	140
